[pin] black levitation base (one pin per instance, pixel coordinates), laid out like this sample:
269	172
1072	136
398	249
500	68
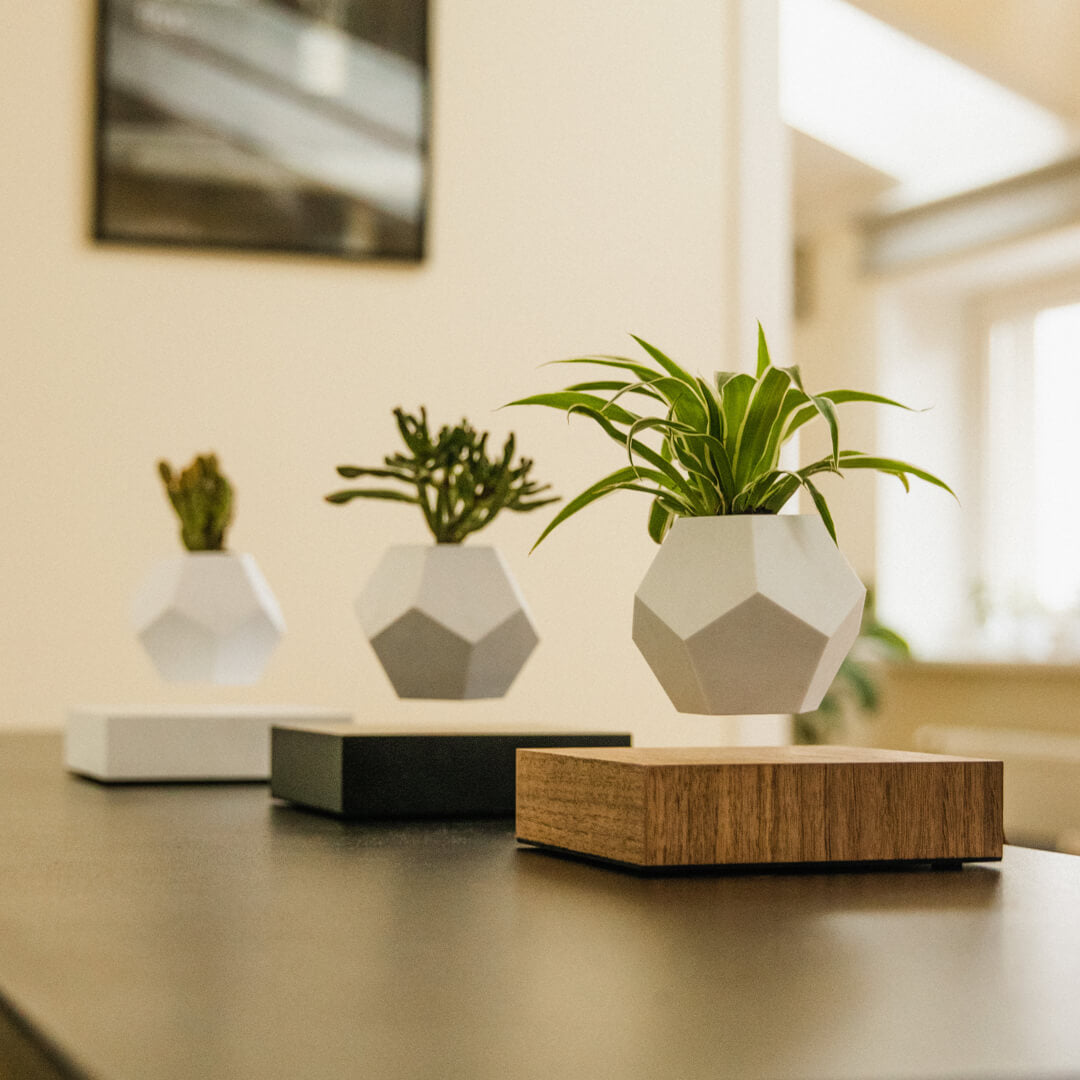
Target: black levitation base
344	770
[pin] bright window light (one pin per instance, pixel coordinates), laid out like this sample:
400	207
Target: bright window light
1030	585
858	85
1057	494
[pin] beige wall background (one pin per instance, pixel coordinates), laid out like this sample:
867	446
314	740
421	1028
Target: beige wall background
583	188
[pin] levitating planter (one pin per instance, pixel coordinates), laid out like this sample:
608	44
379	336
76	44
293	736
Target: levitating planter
742	611
208	617
747	614
205	616
446	621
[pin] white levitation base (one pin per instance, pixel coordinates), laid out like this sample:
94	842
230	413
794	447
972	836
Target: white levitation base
159	743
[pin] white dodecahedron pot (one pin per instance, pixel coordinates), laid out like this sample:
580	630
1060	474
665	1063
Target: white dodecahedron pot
446	621
748	613
208	616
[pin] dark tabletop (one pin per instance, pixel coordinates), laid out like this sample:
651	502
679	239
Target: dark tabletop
185	931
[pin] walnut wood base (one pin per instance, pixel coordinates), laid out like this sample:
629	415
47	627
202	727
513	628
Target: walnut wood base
655	809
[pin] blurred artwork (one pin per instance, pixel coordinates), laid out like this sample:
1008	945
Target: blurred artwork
280	125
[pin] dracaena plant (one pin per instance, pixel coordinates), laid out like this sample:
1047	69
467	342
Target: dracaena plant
458	488
711	447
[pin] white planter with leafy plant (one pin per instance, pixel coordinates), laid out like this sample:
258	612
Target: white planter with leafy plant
743	611
207	615
447	621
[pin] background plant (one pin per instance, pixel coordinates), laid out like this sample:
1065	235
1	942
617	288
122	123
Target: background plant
458	488
203	500
855	688
719	441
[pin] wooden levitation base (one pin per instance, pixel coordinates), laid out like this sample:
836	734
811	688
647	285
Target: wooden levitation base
653	809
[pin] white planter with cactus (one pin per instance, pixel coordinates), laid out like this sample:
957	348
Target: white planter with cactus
207	615
447	621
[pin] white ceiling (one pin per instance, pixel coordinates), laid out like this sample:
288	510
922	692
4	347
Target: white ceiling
1031	47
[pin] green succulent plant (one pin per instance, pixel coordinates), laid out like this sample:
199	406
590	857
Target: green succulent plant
203	500
458	488
719	440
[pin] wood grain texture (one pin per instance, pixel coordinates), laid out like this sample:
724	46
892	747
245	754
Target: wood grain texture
760	805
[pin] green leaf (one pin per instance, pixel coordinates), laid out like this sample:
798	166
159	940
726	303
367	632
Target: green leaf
734	400
601	384
660	519
566	400
828	410
351	472
854	459
722	378
621	479
763	361
776	496
673	478
636	367
762	418
822	506
667	363
840	397
670	389
862	685
892	641
370	493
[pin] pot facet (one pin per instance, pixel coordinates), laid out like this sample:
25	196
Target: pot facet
749	613
446	621
208	616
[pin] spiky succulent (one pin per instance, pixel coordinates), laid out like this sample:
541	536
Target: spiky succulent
203	500
719	441
458	488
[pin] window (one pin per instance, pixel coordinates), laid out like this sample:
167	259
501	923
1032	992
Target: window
1028	587
995	576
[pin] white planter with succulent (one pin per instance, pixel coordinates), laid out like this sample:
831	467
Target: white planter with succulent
207	615
447	621
743	610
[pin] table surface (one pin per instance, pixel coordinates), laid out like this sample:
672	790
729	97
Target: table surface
184	931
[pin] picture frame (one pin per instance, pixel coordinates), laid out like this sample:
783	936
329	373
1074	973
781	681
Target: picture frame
296	126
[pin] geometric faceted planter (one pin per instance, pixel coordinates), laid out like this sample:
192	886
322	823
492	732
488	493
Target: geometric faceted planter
750	613
446	621
208	616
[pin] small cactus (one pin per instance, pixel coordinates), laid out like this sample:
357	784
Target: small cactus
458	488
202	498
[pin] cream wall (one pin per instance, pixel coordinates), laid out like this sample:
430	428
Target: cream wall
584	186
835	345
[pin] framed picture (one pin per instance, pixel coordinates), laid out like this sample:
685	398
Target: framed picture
278	125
